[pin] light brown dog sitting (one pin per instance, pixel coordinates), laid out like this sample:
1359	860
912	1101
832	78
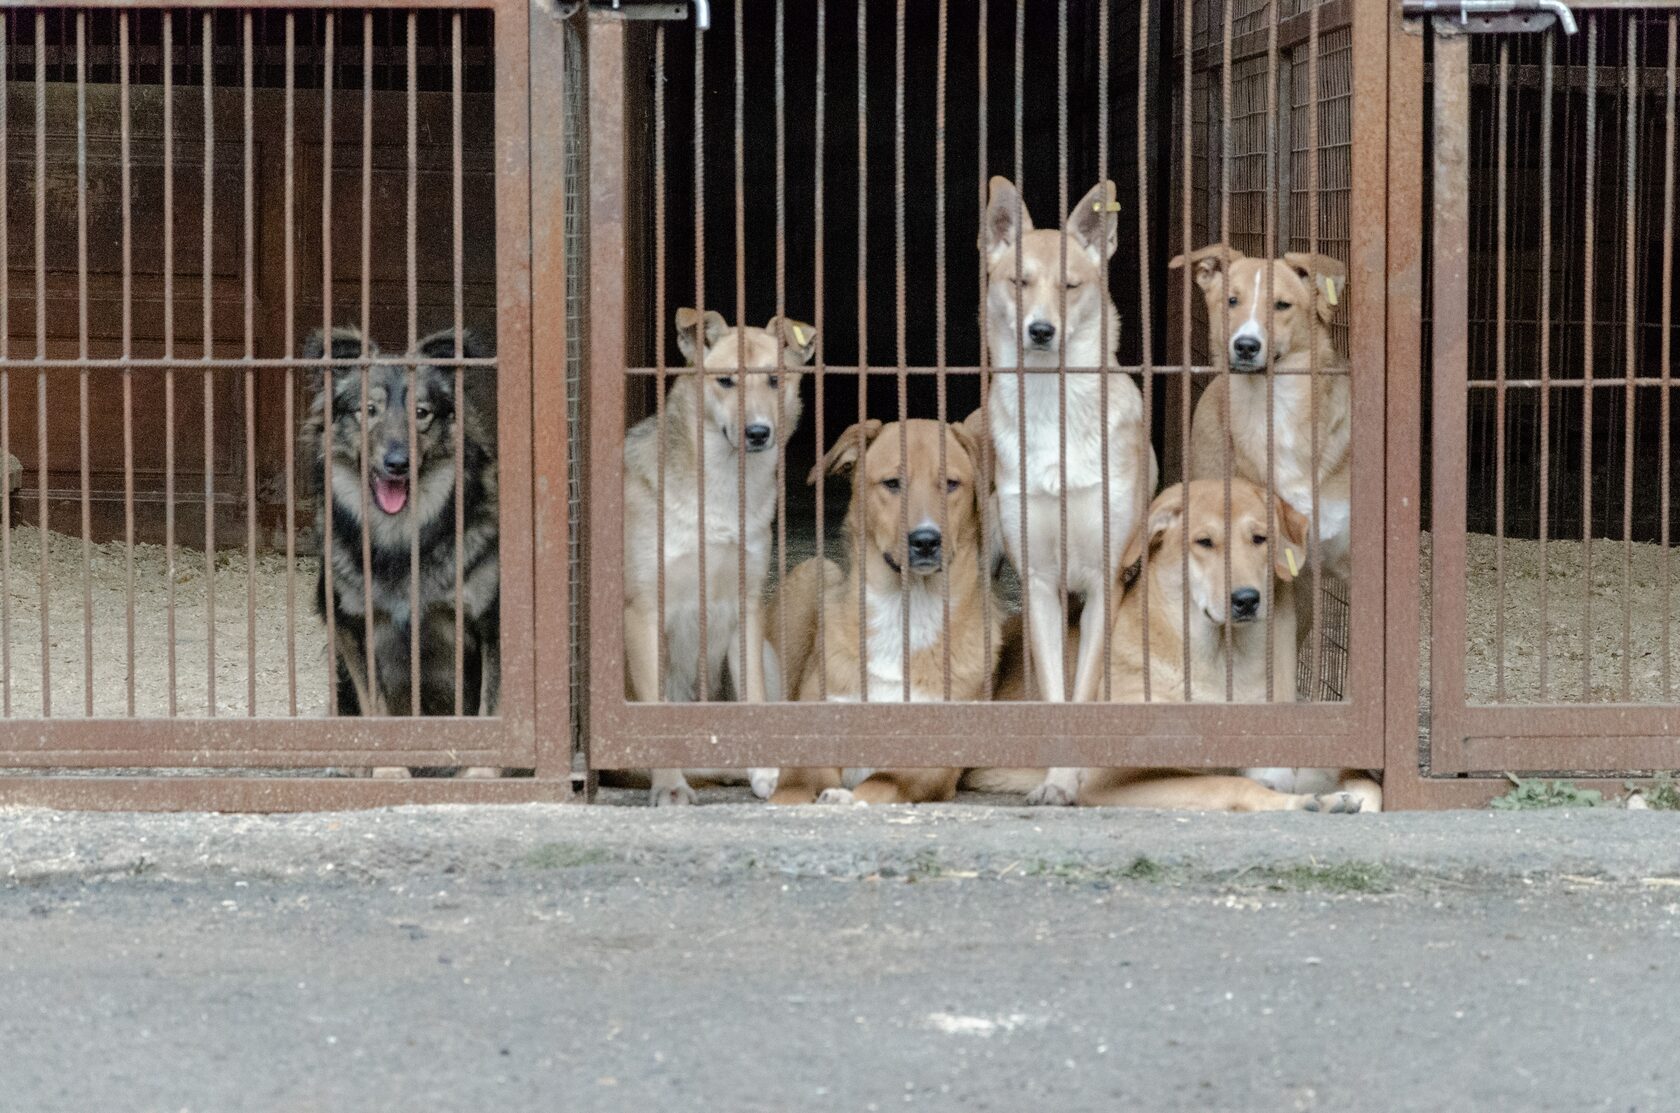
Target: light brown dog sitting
914	524
1226	631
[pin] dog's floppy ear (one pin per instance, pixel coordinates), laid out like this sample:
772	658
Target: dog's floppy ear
976	439
1293	526
1094	224
972	446
688	324
842	455
1209	262
1164	514
1324	272
346	344
800	339
1005	222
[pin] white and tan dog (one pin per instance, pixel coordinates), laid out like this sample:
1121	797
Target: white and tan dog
1072	324
916	524
1284	328
1226	632
704	417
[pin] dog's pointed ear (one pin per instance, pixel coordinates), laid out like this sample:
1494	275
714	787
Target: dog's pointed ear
1164	514
1292	527
1005	222
1094	224
1327	274
842	455
694	346
346	344
799	338
441	345
1210	262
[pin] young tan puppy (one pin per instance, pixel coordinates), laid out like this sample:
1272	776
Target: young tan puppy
1035	320
911	520
1219	610
704	416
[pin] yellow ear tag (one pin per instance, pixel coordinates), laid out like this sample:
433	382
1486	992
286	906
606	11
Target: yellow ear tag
799	333
1105	206
1289	555
1329	290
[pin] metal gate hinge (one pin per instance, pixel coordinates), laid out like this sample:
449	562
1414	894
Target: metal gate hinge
1496	16
658	10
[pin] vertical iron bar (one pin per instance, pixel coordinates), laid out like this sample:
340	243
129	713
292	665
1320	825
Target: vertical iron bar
41	348
1145	339
1061	343
899	343
457	286
6	354
207	234
742	603
939	333
291	375
416	618
1317	551
986	457
817	269
659	341
782	430
1630	369
1667	341
250	270
330	36
1186	176
1274	189
1225	308
1545	357
82	352
127	349
1587	373
365	459
1500	230
703	673
862	332
1020	354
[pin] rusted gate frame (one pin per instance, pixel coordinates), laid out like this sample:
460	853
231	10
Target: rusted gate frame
1469	745
627	735
532	729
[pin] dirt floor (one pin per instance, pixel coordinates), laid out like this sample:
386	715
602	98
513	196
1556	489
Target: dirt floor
237	657
1641	607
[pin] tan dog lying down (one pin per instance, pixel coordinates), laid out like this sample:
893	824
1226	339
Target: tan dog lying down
1243	608
913	520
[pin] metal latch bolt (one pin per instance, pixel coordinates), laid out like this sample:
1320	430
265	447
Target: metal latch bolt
1497	15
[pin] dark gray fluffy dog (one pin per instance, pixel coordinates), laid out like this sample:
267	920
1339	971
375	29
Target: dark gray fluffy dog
405	499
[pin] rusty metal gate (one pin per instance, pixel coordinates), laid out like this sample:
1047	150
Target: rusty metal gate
189	192
1534	399
787	163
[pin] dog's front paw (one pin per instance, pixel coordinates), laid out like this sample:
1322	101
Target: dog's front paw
670	796
1052	794
763	781
839	796
1334	803
391	773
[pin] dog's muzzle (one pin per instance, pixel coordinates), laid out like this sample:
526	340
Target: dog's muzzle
1245	604
1041	334
925	547
758	437
1248	354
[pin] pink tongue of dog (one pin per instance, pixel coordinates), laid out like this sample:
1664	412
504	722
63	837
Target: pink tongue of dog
392	494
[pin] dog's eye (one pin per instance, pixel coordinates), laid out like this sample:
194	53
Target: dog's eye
774	380
1205	542
726	381
1259	539
890	484
1073	285
422	413
952	485
1282	305
1232	300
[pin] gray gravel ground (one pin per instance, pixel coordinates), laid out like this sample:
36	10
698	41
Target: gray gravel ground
740	958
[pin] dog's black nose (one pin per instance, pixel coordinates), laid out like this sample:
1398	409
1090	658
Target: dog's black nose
1246	347
1041	332
758	437
924	545
1245	602
396	460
